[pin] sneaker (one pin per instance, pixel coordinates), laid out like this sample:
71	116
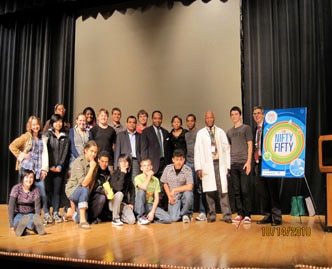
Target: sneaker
143	220
22	225
117	222
247	220
201	217
48	219
238	218
57	218
185	219
39	225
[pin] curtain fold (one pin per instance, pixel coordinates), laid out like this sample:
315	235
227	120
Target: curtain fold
37	63
287	63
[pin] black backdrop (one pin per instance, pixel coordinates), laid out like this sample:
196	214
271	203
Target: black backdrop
285	52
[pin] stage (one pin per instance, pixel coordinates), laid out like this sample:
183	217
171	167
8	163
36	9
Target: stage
301	242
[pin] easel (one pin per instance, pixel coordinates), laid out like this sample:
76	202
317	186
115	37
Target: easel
297	193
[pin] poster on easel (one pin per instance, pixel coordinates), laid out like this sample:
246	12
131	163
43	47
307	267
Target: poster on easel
284	143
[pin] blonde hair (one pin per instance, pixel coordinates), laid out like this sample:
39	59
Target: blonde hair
29	123
103	110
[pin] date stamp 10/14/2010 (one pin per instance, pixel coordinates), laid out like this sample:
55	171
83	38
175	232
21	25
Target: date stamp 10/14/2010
290	231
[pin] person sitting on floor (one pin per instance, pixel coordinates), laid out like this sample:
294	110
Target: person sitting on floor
84	170
178	182
24	206
147	197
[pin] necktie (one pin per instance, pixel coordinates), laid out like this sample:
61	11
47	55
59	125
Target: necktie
257	144
160	143
213	142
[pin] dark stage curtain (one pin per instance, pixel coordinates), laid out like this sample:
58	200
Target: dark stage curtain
36	72
287	63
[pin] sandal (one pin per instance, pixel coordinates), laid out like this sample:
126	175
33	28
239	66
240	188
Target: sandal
84	225
67	217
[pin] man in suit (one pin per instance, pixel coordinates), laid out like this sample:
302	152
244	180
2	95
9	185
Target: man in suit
129	142
266	187
156	147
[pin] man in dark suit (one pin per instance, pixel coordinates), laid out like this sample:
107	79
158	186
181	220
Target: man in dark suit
129	142
268	188
156	147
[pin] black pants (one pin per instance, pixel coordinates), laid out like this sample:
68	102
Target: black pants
268	189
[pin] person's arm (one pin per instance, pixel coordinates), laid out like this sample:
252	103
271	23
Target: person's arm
65	151
11	211
183	188
38	205
17	146
151	214
45	160
247	165
73	149
144	185
170	194
89	176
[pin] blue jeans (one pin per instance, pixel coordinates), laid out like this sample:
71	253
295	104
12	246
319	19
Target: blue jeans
80	197
41	185
19	216
142	208
183	206
198	188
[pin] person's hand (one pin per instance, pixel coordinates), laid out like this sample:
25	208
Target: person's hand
43	174
150	173
200	174
93	164
150	216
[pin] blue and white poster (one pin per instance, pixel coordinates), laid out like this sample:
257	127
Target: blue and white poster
284	140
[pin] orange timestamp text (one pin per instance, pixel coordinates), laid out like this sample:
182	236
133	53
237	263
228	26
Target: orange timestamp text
286	231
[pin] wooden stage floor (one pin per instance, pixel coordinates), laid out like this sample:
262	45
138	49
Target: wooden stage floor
301	242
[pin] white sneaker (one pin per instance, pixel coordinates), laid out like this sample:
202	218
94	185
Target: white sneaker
185	219
48	218
143	220
57	218
201	217
247	220
117	222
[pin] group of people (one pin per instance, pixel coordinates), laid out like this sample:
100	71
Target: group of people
137	173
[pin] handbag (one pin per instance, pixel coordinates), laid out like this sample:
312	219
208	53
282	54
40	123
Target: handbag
297	206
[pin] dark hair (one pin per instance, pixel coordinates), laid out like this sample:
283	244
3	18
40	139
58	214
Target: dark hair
104	153
157	111
59	104
176	117
126	157
258	107
116	109
178	153
85	110
26	172
235	108
191	115
54	118
131	117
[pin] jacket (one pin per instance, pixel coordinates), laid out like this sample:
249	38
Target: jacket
204	160
23	144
